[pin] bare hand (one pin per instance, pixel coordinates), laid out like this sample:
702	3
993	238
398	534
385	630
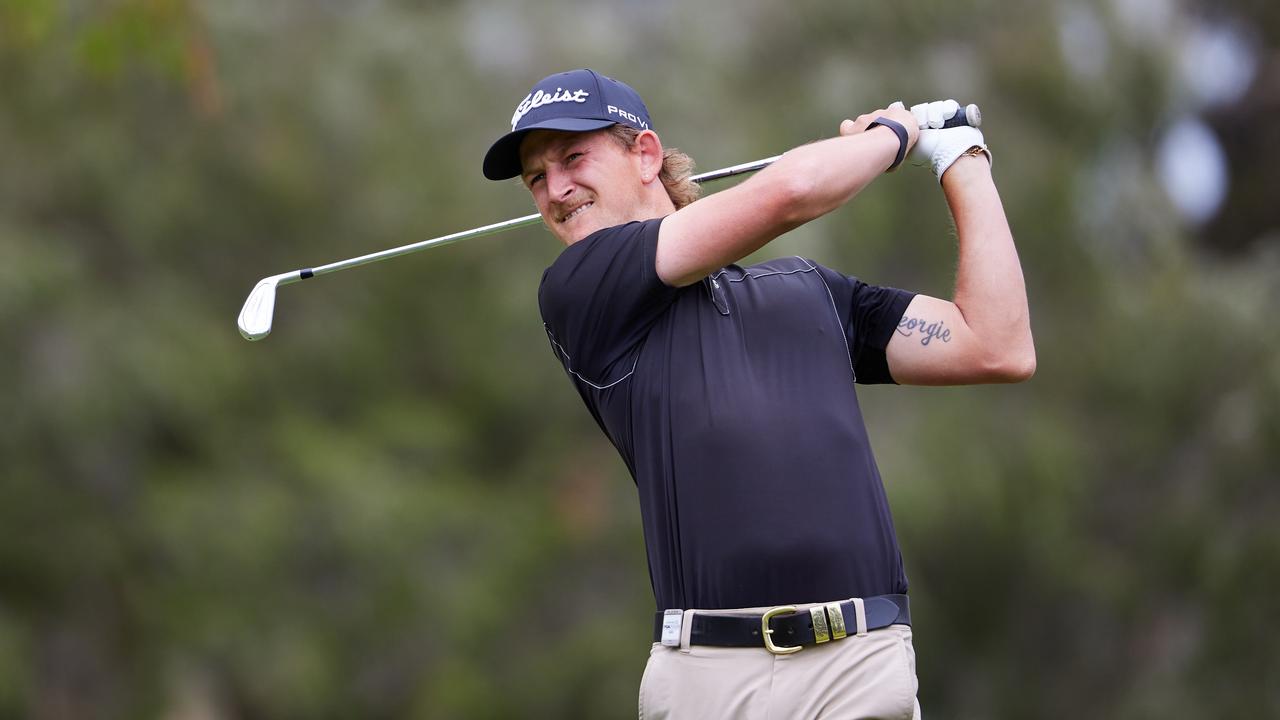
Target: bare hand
896	112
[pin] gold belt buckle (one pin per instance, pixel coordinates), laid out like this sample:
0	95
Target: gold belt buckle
768	632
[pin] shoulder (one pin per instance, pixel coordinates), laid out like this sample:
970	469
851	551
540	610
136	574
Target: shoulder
601	248
610	238
769	268
799	269
614	265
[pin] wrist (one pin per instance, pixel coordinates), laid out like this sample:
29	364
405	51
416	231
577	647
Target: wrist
972	163
878	145
899	134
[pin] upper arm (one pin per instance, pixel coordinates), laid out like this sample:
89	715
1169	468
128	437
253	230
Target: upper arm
720	229
933	345
806	182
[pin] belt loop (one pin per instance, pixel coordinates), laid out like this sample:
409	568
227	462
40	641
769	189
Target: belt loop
836	617
860	612
686	630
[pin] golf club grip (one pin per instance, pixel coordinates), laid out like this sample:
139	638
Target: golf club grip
967	115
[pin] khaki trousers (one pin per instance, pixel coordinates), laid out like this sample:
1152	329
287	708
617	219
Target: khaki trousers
868	676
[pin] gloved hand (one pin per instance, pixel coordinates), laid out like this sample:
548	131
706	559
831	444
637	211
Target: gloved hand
939	147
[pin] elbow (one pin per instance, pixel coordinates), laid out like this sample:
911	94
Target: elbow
795	196
1022	369
1012	367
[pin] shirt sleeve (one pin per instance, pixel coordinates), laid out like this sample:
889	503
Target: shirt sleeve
599	299
870	314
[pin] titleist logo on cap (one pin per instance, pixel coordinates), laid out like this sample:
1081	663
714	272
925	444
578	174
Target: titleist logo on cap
576	101
540	98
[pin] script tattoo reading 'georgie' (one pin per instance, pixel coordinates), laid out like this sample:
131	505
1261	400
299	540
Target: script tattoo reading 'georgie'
908	326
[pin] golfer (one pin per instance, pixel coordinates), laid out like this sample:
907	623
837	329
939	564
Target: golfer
729	391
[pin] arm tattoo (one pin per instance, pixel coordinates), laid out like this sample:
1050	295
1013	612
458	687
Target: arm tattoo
909	326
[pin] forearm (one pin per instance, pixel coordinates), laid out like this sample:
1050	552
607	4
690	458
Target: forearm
990	291
824	175
803	184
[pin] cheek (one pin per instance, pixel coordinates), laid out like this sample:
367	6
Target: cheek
539	199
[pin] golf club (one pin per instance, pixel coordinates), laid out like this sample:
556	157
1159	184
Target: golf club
256	315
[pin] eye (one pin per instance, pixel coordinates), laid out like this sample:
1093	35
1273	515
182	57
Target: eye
573	156
533	179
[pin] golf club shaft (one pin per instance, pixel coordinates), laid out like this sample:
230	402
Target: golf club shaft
498	227
256	315
969	115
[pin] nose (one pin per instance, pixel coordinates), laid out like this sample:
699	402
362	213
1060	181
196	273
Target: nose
559	184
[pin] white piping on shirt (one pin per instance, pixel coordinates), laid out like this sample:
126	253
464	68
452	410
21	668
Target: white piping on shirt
746	275
848	352
568	361
809	267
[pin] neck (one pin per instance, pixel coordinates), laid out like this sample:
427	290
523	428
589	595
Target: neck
659	202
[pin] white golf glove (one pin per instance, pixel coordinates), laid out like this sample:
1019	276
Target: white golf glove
940	147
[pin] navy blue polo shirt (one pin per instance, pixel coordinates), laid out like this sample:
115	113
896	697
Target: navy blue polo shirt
732	403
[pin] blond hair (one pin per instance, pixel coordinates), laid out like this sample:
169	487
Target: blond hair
677	168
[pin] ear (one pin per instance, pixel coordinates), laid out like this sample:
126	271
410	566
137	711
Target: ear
648	150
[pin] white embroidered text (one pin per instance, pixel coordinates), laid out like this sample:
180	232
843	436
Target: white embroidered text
635	119
540	98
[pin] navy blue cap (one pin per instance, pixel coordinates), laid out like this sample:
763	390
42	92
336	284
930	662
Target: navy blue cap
576	101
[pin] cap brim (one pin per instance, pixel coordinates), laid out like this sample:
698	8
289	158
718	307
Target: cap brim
503	159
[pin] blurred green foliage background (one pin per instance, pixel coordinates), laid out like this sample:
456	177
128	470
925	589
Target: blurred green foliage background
395	506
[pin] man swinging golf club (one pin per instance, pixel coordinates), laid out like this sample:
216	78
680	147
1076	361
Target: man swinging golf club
729	391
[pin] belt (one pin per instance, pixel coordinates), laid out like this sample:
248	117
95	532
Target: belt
783	629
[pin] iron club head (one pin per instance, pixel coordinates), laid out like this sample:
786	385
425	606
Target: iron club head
255	316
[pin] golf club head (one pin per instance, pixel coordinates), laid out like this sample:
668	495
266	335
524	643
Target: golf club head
255	316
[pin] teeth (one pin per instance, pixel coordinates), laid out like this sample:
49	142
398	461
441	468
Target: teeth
577	211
